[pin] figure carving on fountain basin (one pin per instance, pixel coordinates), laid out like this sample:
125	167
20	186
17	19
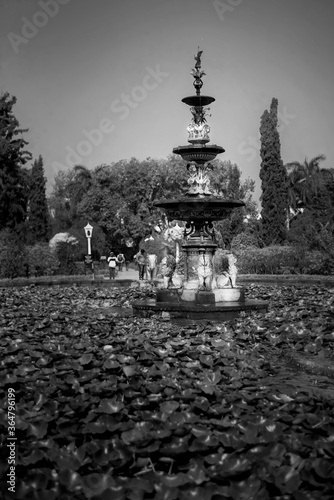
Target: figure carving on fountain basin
175	234
204	271
232	269
229	277
167	265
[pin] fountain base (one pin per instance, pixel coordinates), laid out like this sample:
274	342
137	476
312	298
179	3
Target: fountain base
220	311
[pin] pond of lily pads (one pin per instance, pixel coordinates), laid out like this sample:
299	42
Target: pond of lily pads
111	406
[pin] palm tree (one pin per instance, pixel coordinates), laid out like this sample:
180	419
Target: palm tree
307	182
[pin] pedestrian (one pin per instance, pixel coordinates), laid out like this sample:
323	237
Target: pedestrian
141	261
112	260
120	261
152	265
127	264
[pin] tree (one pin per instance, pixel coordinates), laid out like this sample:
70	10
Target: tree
273	175
119	198
13	255
13	176
226	182
60	202
310	185
38	216
79	186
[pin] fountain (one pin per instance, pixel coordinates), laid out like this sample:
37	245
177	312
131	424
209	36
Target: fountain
199	294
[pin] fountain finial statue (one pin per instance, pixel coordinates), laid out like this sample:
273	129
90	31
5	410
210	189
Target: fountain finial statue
198	59
197	72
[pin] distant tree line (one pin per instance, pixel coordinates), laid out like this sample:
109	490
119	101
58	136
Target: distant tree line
118	199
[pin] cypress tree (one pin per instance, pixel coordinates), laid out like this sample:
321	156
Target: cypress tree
13	176
38	207
273	175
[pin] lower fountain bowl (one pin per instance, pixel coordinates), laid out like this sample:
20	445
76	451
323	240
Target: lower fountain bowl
220	311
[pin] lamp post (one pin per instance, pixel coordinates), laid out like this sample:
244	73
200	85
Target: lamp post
89	231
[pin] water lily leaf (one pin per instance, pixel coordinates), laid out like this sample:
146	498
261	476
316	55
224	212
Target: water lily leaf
202	403
140	485
38	429
135	435
169	406
206	360
174	480
159	433
67	427
206	388
65	459
33	457
22	371
324	468
70	479
176	446
248	488
85	359
288	479
97	427
125	359
114	405
111	364
116	492
233	466
95	484
199	430
129	370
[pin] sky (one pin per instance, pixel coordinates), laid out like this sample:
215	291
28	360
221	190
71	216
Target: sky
98	81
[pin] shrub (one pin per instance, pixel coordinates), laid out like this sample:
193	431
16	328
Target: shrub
269	260
13	255
316	262
42	261
63	247
283	260
243	240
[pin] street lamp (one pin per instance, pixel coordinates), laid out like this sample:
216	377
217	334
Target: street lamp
89	231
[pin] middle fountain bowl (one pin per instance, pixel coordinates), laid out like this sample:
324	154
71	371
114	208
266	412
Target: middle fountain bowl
194	208
198	152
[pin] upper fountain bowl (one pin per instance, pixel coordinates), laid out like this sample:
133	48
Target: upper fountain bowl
198	100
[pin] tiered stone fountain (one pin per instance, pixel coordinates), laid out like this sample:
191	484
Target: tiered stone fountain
201	294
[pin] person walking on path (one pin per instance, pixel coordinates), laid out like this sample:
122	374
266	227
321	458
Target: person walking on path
141	261
152	265
120	261
112	260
